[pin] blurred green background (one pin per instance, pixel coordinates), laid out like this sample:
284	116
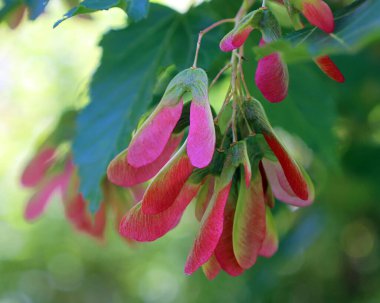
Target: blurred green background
328	252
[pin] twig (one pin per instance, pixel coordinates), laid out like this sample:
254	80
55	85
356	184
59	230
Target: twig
205	31
221	149
225	102
240	66
234	64
307	36
251	132
233	122
341	41
219	74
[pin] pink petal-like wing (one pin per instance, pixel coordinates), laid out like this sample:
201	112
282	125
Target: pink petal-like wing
166	186
226	44
224	251
138	192
270	243
37	204
119	201
121	173
281	187
16	17
139	226
210	231
75	210
201	140
70	181
249	223
98	225
80	218
272	77
211	268
234	40
329	68
150	140
37	167
268	195
319	14
204	196
291	170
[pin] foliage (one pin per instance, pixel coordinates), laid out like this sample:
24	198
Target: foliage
122	88
319	259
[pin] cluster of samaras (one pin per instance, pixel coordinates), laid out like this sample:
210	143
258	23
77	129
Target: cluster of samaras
232	173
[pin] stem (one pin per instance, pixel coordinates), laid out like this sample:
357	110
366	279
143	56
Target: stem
220	149
234	64
240	66
219	74
205	31
234	71
341	41
234	95
307	36
225	102
243	9
233	122
296	22
251	132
